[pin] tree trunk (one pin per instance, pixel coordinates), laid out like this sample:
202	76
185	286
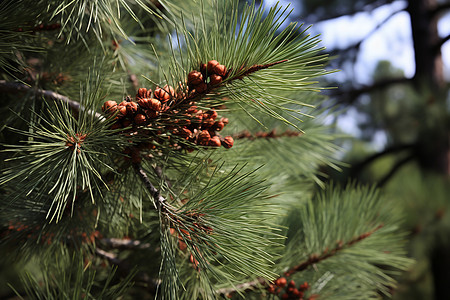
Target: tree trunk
428	58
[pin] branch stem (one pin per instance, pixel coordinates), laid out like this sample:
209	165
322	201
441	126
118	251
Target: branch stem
17	87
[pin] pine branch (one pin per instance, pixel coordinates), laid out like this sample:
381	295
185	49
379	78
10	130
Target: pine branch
121	244
394	169
357	45
313	259
347	97
261	134
17	87
160	201
125	269
348	12
441	42
358	167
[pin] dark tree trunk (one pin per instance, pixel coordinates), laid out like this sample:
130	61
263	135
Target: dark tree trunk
428	58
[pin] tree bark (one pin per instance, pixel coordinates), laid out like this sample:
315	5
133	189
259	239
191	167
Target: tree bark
428	59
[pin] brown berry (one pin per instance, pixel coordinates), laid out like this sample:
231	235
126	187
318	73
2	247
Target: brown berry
109	106
227	142
220	70
140	119
215	79
195	78
211	65
214	141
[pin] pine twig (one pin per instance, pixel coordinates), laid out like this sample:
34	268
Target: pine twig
116	243
151	284
159	200
272	134
313	259
256	68
17	87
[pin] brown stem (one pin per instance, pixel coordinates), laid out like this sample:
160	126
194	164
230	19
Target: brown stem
124	243
160	201
124	268
17	87
256	68
272	134
313	259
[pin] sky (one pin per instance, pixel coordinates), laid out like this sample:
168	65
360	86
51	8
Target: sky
392	42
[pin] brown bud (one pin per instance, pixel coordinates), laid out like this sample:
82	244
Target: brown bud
271	289
140	119
304	286
215	79
201	88
215	141
227	142
281	282
211	65
109	106
291	284
203	137
132	108
122	108
126	123
186	133
195	78
116	125
164	93
203	69
192	110
152	104
136	156
210	114
142	93
152	114
224	120
218	126
220	70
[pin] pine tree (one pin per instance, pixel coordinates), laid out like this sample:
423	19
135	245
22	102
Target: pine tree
172	149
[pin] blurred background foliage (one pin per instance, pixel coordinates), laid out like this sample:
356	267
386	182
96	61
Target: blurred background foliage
393	88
